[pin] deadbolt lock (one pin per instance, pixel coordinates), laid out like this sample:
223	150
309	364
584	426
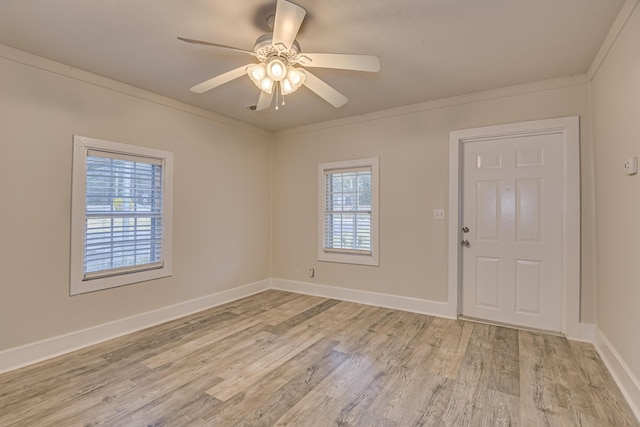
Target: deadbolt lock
465	229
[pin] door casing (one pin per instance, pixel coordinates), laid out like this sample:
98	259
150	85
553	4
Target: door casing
569	128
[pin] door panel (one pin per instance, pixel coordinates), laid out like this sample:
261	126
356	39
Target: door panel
528	286
528	210
488	282
489	160
531	156
512	204
487	216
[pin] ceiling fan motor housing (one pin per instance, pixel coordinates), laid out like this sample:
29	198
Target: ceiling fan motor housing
265	49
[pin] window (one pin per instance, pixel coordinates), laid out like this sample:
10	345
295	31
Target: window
120	214
348	211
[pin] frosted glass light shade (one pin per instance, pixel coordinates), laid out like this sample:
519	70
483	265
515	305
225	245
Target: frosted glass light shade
265	76
276	69
258	75
292	81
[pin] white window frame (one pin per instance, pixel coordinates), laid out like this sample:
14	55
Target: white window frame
78	283
349	257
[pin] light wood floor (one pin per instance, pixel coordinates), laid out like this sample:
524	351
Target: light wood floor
278	358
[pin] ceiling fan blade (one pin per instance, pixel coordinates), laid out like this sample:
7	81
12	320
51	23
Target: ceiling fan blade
264	101
289	17
324	91
220	80
370	63
221	46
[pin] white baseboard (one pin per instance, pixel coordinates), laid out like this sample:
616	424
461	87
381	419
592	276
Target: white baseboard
28	354
415	305
624	378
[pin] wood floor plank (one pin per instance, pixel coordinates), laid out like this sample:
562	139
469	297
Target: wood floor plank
351	381
357	328
292	309
302	317
454	338
608	402
504	372
211	359
164	340
252	373
331	321
49	394
569	382
312	409
354	373
212	335
77	395
293	391
264	302
540	402
192	414
397	391
163	401
466	403
430	396
15	390
262	358
385	363
277	358
261	391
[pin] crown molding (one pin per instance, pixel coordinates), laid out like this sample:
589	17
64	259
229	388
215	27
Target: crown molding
58	68
618	25
505	92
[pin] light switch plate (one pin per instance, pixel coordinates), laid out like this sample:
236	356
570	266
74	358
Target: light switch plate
438	214
631	166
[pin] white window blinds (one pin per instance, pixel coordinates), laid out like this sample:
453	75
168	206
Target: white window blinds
347	212
123	220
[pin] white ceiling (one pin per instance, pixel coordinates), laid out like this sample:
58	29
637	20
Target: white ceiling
429	49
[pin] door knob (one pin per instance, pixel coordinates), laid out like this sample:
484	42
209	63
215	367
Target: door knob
465	243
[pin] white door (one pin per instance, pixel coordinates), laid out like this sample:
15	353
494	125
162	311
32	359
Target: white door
513	209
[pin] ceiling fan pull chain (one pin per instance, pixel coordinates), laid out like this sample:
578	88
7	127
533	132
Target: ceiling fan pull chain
281	92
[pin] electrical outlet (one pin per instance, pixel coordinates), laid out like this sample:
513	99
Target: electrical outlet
438	213
631	166
312	272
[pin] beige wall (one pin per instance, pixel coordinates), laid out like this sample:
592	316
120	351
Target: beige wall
616	114
221	200
413	147
223	233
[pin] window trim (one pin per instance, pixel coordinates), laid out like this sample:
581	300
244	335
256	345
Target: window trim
348	256
81	147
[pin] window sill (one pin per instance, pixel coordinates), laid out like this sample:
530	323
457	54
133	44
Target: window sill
349	258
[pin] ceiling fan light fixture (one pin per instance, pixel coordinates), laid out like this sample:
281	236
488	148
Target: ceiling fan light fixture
276	69
292	81
266	85
259	76
277	53
257	72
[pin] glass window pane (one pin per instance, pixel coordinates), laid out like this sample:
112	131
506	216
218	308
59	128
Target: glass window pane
349	193
116	190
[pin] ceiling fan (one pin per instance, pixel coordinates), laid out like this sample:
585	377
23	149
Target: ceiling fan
278	54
